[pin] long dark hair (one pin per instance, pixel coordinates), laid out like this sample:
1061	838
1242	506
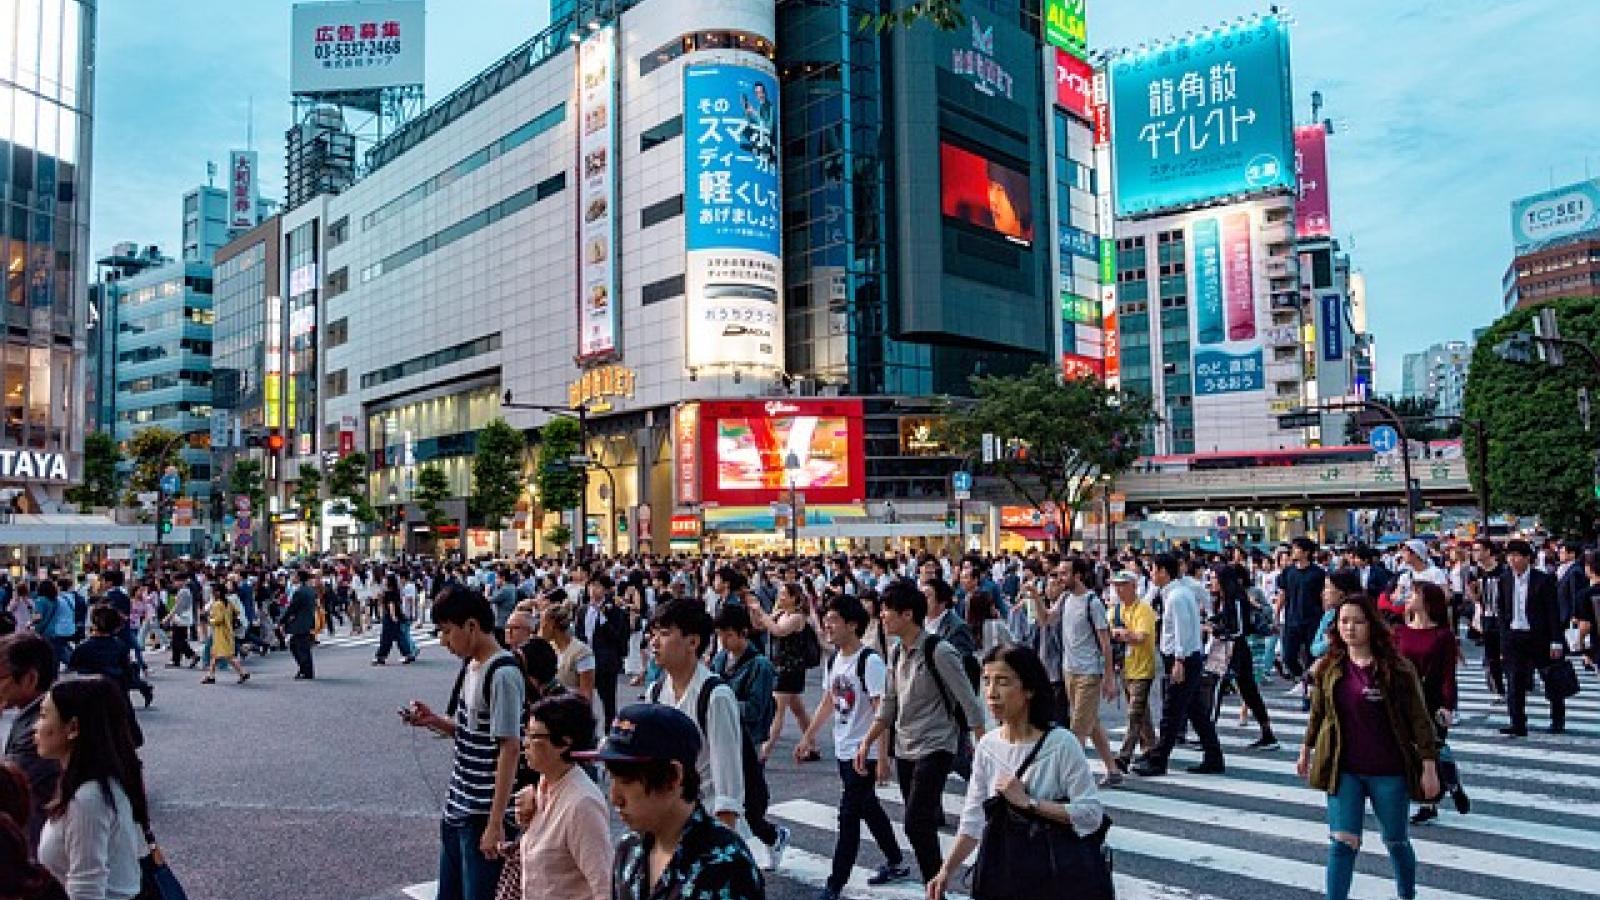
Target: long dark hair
1379	639
1035	681
20	876
103	750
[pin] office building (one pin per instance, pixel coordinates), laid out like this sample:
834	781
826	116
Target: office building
1555	236
1438	373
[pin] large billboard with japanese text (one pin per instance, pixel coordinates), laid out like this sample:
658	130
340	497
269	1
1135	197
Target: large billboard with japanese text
1551	217
355	46
1074	85
242	189
732	217
1312	215
1228	357
598	302
1204	118
750	451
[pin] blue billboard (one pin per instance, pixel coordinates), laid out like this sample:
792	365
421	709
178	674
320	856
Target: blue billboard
731	155
1203	118
1332	324
1219	372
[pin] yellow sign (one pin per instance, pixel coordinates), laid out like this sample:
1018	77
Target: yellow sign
595	386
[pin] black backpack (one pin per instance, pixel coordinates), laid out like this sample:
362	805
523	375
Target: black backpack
861	663
756	795
496	664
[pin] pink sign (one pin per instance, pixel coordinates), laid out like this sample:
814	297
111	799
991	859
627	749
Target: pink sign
1240	290
1311	209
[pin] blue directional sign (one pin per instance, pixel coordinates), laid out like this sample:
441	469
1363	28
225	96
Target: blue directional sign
171	483
1385	439
961	481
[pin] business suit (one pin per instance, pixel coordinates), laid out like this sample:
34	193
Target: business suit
299	621
1570	589
1528	649
607	635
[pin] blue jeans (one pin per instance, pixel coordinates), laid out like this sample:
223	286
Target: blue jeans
464	872
1391	801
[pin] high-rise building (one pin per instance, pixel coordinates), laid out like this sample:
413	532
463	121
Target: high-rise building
1555	235
1438	373
46	109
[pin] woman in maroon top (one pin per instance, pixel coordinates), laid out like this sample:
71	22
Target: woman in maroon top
1427	640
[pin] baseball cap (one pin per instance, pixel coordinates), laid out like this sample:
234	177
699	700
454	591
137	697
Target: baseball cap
1415	545
1123	576
648	732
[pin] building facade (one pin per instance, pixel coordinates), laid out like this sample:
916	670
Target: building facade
1555	236
1438	373
46	111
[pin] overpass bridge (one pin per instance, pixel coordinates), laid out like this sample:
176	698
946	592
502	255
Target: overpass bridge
1334	484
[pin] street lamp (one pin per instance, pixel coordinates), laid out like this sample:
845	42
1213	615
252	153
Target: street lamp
394	530
791	467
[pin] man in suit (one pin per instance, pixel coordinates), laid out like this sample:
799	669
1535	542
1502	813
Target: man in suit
1531	630
299	621
1571	580
603	625
1375	577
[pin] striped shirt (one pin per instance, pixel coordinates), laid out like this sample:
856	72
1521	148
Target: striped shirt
479	729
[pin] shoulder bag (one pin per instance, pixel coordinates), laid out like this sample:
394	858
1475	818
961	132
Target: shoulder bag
1560	680
156	881
1023	856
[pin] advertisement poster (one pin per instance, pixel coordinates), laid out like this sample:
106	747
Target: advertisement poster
1241	291
242	189
597	196
1203	118
686	452
750	450
1074	86
985	194
1330	326
337	47
1312	216
1113	360
1066	24
1211	326
1228	357
732	216
1549	218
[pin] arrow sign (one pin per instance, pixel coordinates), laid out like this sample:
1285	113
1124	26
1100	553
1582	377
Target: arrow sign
1385	439
171	483
961	481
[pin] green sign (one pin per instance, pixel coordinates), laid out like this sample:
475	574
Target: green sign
1066	25
1108	261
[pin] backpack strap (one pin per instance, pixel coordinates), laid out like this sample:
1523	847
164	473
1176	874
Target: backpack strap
702	703
496	664
950	708
861	664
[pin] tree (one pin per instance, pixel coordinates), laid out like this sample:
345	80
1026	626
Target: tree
559	535
1059	437
308	493
152	450
101	456
497	474
347	484
1417	413
1541	461
433	488
945	15
560	483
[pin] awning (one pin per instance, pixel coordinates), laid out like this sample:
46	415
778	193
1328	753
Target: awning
61	530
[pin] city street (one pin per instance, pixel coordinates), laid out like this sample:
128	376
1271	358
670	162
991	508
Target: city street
282	788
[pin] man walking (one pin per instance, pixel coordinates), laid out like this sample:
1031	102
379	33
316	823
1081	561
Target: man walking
1300	600
1181	648
1531	635
1134	626
603	625
1086	638
299	621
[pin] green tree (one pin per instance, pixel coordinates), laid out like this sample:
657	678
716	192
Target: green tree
1060	436
308	493
152	450
101	455
1541	461
433	488
559	534
560	483
347	483
945	15
497	474
1419	414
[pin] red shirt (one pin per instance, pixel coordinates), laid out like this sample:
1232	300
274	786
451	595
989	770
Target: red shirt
1432	652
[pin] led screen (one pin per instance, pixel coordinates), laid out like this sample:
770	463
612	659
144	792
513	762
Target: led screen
985	194
752	453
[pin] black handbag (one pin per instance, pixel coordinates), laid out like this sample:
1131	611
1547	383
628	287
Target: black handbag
1023	856
1560	680
156	881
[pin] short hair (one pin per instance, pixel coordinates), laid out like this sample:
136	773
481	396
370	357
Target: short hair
852	611
689	617
603	580
570	721
731	577
657	775
539	660
903	596
114	577
1573	547
1081	568
733	617
1434	601
1347	581
105	620
1304	543
26	652
1489	545
458	606
943	592
1167	563
1519	547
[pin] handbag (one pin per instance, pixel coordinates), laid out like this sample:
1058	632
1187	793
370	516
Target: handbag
156	881
1219	657
1028	857
510	884
1560	680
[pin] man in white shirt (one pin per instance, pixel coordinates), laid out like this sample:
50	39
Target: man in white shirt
1182	647
1416	566
1532	635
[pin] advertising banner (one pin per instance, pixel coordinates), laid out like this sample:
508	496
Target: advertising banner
1218	372
1227	350
1066	24
242	189
1330	326
1237	239
1312	215
985	194
1551	217
357	46
1203	118
1210	322
1113	360
1078	365
732	216
1074	86
751	451
686	452
598	302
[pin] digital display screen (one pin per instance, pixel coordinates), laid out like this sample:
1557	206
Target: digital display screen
986	194
753	453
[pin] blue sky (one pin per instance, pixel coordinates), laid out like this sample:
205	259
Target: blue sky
1445	111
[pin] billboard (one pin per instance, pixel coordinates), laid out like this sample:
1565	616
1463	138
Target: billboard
597	196
750	450
1330	327
1312	216
356	46
1228	357
1203	118
686	453
1066	24
985	194
1554	216
732	216
1074	86
242	189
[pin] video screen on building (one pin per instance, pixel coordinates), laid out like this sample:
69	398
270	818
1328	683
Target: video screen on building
985	194
751	450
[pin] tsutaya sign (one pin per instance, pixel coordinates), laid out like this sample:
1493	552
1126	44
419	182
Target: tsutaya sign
595	386
32	465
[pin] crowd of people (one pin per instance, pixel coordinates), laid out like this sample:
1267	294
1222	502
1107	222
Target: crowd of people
994	668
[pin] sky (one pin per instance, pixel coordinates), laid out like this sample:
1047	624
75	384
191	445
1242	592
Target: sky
1444	112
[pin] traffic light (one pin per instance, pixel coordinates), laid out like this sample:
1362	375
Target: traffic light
949	520
622	525
166	525
274	441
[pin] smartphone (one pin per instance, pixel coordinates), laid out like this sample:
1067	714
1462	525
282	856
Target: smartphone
406	713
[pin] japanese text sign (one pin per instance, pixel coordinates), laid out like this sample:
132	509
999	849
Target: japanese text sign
356	46
1311	209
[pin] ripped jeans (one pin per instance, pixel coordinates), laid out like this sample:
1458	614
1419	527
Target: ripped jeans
1391	802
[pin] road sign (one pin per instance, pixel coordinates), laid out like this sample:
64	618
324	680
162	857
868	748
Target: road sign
171	483
1385	439
1292	421
146	498
962	481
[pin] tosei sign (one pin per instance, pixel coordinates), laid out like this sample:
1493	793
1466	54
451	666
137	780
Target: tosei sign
339	47
1554	216
32	465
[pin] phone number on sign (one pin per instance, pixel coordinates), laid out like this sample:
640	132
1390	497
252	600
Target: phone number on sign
357	48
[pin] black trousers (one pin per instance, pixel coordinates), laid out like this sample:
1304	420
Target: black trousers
180	644
1180	704
388	636
922	789
605	684
1297	640
860	804
1243	665
1493	665
300	646
1523	658
756	800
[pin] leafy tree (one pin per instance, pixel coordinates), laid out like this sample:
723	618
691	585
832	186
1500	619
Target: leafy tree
497	474
560	485
101	455
308	493
946	15
1541	461
1060	436
152	450
1417	413
347	483
559	534
433	488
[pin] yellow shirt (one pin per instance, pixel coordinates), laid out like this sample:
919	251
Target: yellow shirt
1140	661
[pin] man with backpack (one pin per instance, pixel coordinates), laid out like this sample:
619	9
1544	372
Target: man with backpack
854	692
929	703
1090	676
743	667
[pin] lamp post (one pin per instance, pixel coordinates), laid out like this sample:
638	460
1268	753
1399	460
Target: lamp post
616	540
394	519
581	413
791	466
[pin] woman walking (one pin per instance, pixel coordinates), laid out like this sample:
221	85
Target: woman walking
791	616
220	615
1369	738
566	839
1429	642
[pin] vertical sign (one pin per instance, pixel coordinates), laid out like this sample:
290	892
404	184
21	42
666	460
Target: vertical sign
686	453
1332	327
1241	277
597	196
732	217
242	190
1210	322
1074	86
1113	359
1066	25
1228	358
1311	209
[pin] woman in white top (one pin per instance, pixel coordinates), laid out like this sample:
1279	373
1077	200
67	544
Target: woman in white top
94	835
1058	785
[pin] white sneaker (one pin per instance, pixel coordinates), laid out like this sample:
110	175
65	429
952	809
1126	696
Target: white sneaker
1299	690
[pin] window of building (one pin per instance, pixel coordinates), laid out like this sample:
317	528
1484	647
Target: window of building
338	282
655	136
337	384
338	333
703	40
418	365
665	289
338	232
656	213
551	186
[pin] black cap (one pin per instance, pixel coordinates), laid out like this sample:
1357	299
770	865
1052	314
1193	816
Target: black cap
647	732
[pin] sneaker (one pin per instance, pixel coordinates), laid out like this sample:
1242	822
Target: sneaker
1123	765
1265	743
775	852
1212	767
1109	780
1299	690
889	874
1463	802
1424	815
